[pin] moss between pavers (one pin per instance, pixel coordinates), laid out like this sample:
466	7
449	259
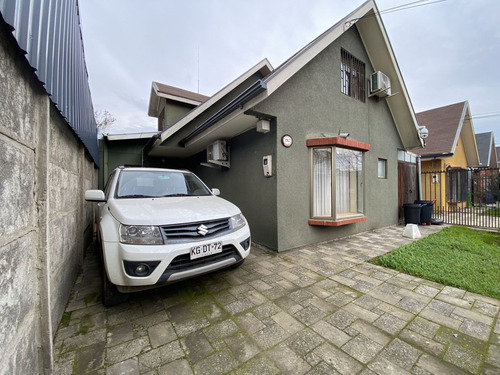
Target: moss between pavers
447	336
463	350
464	358
85	324
65	319
91	298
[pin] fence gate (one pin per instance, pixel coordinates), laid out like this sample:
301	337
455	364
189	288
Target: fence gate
464	196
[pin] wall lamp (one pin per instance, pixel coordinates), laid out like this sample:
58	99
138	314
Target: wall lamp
343	134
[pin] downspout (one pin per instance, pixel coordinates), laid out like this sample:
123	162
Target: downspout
419	172
149	146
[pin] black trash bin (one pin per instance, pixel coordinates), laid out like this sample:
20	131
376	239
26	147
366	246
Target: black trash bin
412	213
426	211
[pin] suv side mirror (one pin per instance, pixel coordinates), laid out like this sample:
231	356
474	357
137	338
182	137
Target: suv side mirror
215	191
95	196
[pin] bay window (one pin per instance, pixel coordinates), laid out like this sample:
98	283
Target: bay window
337	181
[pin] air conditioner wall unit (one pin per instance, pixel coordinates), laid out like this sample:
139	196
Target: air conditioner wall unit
218	153
380	85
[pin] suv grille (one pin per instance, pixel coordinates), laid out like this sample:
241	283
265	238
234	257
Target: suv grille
183	262
193	231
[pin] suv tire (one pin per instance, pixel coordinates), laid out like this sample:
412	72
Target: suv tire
110	294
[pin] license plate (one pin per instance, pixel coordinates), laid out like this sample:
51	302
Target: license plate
205	250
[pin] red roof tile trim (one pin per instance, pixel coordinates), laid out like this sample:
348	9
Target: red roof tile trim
338	141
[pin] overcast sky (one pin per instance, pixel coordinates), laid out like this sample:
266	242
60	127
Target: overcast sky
447	51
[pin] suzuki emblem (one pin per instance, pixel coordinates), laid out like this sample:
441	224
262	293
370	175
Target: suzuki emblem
202	230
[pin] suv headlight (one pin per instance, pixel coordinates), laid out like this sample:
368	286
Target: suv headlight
140	235
237	222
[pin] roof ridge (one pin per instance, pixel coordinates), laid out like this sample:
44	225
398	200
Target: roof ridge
180	92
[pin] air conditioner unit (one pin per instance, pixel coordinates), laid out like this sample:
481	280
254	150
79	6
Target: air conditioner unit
380	85
218	154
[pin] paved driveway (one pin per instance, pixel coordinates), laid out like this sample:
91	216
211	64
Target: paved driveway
316	310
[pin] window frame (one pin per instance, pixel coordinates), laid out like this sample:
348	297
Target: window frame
384	161
457	184
333	143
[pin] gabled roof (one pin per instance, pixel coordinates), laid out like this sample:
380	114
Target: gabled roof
231	120
485	147
129	136
263	68
445	125
376	42
160	90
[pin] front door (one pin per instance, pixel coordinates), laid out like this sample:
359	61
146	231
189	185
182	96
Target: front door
407	186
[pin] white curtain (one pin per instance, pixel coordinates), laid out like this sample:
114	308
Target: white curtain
342	179
348	181
322	182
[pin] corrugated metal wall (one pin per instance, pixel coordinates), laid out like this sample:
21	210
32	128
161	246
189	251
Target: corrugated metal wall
49	32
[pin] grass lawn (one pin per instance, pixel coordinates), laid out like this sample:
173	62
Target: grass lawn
456	256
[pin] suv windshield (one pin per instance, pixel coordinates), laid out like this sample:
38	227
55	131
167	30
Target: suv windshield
153	184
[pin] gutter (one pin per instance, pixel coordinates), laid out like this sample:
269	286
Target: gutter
434	156
238	102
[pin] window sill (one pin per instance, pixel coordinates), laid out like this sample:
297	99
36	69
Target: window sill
337	223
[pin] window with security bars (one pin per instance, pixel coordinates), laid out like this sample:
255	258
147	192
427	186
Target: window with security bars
352	76
457	184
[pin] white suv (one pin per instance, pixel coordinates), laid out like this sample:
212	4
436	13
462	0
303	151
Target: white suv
158	226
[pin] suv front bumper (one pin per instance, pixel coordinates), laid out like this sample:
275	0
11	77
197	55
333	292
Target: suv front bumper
170	262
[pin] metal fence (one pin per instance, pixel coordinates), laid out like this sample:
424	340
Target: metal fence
48	32
467	197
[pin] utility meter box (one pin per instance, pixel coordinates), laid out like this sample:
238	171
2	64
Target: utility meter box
267	165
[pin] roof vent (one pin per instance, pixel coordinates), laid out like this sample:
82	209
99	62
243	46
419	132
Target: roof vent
380	85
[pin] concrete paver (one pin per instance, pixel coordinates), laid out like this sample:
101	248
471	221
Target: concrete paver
320	309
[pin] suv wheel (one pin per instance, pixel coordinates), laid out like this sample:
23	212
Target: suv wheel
110	294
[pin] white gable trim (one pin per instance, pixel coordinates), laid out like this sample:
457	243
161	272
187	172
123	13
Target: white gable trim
310	51
377	45
263	65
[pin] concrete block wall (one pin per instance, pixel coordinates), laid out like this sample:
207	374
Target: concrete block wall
45	223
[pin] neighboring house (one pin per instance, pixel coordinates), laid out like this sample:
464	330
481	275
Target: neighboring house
168	104
309	150
48	139
486	149
449	154
120	149
486	179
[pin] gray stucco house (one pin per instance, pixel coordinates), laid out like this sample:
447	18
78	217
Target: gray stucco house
308	150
